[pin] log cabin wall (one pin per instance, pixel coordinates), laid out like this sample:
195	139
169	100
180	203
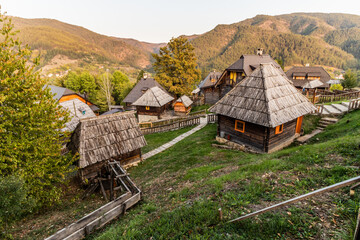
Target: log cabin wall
253	136
125	160
288	133
211	95
153	111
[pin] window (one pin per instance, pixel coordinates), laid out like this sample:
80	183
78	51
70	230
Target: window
279	129
239	126
299	78
212	80
147	108
313	78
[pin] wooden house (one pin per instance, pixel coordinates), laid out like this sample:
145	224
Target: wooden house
138	90
241	69
207	88
152	104
263	112
182	106
104	138
63	94
77	110
309	77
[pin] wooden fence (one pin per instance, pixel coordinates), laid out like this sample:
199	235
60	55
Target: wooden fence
198	113
212	118
172	126
337	97
354	104
102	215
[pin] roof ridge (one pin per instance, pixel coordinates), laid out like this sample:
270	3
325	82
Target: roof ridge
155	95
268	115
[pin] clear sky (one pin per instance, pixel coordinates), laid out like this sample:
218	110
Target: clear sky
159	20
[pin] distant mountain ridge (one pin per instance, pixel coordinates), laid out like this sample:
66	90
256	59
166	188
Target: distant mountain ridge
298	38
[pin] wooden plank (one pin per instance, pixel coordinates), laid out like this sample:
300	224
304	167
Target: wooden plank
88	218
299	198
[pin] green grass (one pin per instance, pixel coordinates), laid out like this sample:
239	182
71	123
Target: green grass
157	139
199	108
184	186
310	122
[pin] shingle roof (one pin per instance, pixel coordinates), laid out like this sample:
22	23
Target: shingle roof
207	82
78	110
59	91
185	100
248	63
140	87
102	138
266	98
154	97
308	72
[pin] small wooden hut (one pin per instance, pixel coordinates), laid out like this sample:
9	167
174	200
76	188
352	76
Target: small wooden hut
263	112
152	104
104	138
207	87
138	90
303	77
182	106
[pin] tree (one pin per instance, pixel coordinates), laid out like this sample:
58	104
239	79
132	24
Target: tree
30	123
122	86
84	82
176	68
336	87
350	79
140	75
106	88
14	202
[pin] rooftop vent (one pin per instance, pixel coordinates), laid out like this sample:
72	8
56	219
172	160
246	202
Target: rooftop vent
260	51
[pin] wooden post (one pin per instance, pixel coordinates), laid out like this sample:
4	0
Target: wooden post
103	190
357	229
220	214
111	178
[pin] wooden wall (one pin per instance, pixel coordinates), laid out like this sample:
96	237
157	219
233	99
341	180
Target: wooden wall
180	109
153	111
74	96
125	160
253	136
211	95
262	138
276	140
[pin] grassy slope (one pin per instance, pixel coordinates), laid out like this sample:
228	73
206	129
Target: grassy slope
184	186
157	139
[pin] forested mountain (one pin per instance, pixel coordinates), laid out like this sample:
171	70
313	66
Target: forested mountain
51	37
297	38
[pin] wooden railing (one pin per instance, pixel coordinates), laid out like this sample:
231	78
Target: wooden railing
212	118
338	97
354	104
172	126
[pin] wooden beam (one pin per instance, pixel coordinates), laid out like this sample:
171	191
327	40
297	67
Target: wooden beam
299	198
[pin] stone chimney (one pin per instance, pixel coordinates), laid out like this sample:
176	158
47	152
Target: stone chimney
307	65
260	51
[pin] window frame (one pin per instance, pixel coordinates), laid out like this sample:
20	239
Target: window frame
279	129
243	126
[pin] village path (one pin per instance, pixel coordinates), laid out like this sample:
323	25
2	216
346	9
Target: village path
203	122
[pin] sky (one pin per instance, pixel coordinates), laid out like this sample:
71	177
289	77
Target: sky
159	20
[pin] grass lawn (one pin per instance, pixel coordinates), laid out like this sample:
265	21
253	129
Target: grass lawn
155	140
184	186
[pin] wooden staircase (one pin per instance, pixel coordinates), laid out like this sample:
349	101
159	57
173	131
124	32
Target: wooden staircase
326	121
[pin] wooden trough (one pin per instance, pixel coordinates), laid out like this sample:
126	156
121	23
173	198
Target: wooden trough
104	214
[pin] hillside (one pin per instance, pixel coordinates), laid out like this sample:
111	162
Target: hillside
51	38
297	38
197	179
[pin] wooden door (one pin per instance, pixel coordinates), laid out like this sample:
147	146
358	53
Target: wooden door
298	124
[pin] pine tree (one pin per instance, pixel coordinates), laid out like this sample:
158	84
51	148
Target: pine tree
30	122
176	68
350	79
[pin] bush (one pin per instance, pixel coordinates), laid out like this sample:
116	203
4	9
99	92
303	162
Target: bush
336	87
13	202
